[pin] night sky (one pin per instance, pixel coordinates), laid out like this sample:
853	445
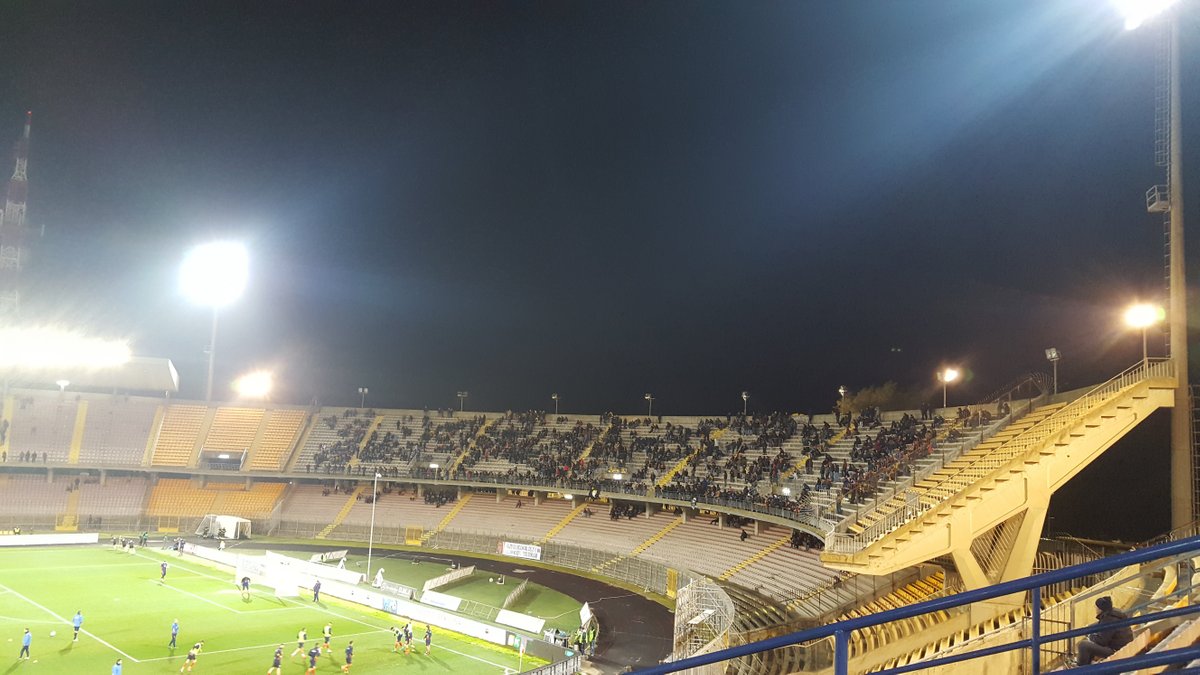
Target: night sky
602	199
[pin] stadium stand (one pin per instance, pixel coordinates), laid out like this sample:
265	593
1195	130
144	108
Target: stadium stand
233	429
175	497
179	435
42	427
278	437
118	429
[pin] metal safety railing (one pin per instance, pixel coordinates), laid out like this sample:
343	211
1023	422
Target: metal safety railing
1034	643
1009	453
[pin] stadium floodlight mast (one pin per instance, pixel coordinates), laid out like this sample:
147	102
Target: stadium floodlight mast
649	404
62	385
842	391
946	376
362	397
554	397
371	534
214	275
462	397
1142	316
1053	355
745	402
1169	199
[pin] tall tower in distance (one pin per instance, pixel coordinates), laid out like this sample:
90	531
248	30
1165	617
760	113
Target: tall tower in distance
12	231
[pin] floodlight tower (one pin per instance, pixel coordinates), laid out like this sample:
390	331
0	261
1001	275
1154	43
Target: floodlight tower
214	275
1168	200
12	230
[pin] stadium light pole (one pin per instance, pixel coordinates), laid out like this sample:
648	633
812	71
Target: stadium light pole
371	533
362	397
649	404
1052	355
554	397
462	397
1142	316
946	376
1137	12
214	275
745	402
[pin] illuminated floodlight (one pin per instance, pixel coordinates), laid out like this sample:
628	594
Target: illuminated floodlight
215	274
787	491
62	384
949	375
223	455
56	349
618	476
254	385
1138	12
568	497
433	465
1143	315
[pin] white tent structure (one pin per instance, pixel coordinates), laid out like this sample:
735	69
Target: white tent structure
233	526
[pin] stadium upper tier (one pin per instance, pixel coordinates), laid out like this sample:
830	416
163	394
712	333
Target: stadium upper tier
817	471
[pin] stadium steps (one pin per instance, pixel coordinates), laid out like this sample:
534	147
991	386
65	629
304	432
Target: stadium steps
458	460
337	520
799	464
666	478
77	433
178	437
462	502
69	521
587	452
6	421
155	433
277	439
642	546
764	552
370	434
256	443
296	450
563	523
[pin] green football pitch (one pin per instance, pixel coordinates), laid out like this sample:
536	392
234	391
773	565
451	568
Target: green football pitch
128	613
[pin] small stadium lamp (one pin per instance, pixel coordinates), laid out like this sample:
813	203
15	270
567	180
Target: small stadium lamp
568	497
62	384
1137	12
254	385
842	391
946	376
1053	356
787	491
433	465
1142	316
618	476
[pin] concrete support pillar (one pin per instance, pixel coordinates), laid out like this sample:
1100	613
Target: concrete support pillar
202	480
500	495
721	521
49	475
685	513
420	490
649	509
103	477
249	482
756	527
538	496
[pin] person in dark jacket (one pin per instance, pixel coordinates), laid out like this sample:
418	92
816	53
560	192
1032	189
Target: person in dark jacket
1104	643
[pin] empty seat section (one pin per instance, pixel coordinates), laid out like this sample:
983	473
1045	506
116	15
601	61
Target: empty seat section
277	440
179	434
117	430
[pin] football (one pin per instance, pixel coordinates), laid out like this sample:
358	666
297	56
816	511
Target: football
53	633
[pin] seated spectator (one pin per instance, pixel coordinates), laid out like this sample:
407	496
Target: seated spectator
1104	643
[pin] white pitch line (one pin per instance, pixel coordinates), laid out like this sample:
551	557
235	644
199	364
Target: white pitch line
243	649
348	618
369	625
85	632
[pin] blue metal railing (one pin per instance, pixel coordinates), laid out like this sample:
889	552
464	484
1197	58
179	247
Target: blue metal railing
841	630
